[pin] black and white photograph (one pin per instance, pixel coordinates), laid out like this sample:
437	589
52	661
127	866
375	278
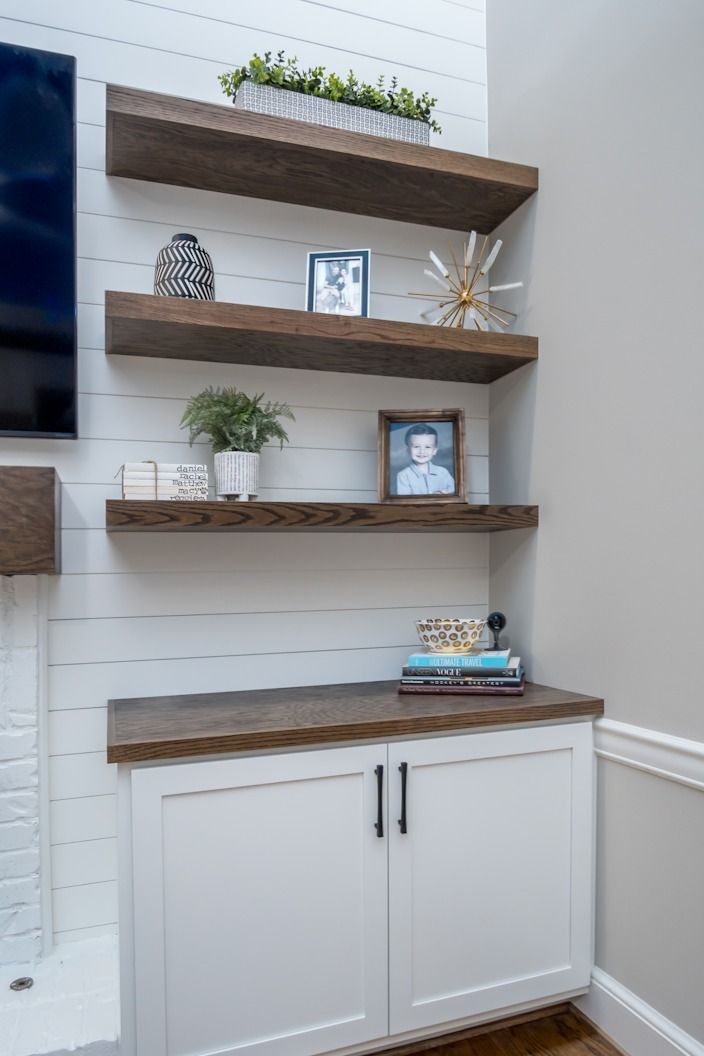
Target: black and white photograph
421	455
338	283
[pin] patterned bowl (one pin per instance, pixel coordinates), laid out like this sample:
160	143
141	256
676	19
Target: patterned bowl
449	634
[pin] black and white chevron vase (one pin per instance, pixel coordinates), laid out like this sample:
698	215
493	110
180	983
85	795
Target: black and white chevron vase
184	269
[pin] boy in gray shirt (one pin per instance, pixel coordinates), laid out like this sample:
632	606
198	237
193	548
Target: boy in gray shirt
421	477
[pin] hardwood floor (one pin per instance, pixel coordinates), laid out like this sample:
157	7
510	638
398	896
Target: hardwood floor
564	1033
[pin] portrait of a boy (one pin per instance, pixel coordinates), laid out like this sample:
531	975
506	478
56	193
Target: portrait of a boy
421	457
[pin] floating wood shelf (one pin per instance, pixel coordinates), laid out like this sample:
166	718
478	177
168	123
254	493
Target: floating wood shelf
140	324
30	520
249	720
127	515
165	139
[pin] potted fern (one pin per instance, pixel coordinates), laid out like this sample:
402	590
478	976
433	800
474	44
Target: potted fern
238	426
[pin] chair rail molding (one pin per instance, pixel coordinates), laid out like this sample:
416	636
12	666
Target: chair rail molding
674	758
634	1025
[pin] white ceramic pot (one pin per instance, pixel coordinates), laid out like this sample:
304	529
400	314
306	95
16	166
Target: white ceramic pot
236	475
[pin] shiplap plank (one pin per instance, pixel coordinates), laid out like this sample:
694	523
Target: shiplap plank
85	906
94	551
81	934
142	418
72	776
97	276
182	209
77	732
90	101
470	5
178	380
89	818
394	16
101	42
89	862
261	590
238	256
229	41
90	685
169	637
468	25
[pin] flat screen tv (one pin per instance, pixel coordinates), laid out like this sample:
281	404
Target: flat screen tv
37	243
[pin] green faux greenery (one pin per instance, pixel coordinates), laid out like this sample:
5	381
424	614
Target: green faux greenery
234	421
284	73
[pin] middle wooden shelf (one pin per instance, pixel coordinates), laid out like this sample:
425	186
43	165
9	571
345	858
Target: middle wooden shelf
138	324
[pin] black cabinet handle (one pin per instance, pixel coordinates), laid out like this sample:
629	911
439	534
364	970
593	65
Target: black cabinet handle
379	823
404	777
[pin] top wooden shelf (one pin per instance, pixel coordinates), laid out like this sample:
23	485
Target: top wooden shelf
165	139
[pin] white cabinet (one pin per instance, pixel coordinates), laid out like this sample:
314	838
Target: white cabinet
260	905
269	916
490	886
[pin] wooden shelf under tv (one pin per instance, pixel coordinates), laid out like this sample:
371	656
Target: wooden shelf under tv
178	328
126	515
30	521
165	139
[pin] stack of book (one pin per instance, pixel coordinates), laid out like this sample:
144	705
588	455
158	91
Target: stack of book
493	672
165	480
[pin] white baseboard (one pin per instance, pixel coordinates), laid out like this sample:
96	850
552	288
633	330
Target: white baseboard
631	1023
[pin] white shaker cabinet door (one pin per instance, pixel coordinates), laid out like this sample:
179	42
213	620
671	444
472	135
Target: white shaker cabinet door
490	887
260	905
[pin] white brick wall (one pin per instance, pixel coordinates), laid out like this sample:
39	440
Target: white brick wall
20	914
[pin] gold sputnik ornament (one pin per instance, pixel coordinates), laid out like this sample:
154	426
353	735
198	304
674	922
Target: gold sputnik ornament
462	297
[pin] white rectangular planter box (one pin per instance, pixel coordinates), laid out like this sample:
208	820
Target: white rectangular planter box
280	102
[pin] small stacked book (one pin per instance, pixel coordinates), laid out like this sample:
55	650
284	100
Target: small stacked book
165	480
493	672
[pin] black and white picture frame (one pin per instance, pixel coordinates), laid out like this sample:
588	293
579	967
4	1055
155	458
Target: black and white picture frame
338	282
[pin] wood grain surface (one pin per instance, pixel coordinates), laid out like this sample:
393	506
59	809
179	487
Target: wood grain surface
138	324
209	723
30	520
545	1032
154	515
217	148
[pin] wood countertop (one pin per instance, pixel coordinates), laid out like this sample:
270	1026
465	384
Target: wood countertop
144	728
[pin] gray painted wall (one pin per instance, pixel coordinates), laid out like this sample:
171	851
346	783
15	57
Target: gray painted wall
606	432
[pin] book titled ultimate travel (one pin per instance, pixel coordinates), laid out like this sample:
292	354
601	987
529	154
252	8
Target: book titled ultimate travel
468	691
511	670
489	659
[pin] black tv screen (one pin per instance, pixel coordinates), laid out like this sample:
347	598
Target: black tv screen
37	243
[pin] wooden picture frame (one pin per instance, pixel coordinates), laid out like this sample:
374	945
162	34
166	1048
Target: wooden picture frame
402	477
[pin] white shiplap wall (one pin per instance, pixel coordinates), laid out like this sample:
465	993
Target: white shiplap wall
148	615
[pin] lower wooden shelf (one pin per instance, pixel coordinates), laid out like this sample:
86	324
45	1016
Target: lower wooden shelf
141	728
125	515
